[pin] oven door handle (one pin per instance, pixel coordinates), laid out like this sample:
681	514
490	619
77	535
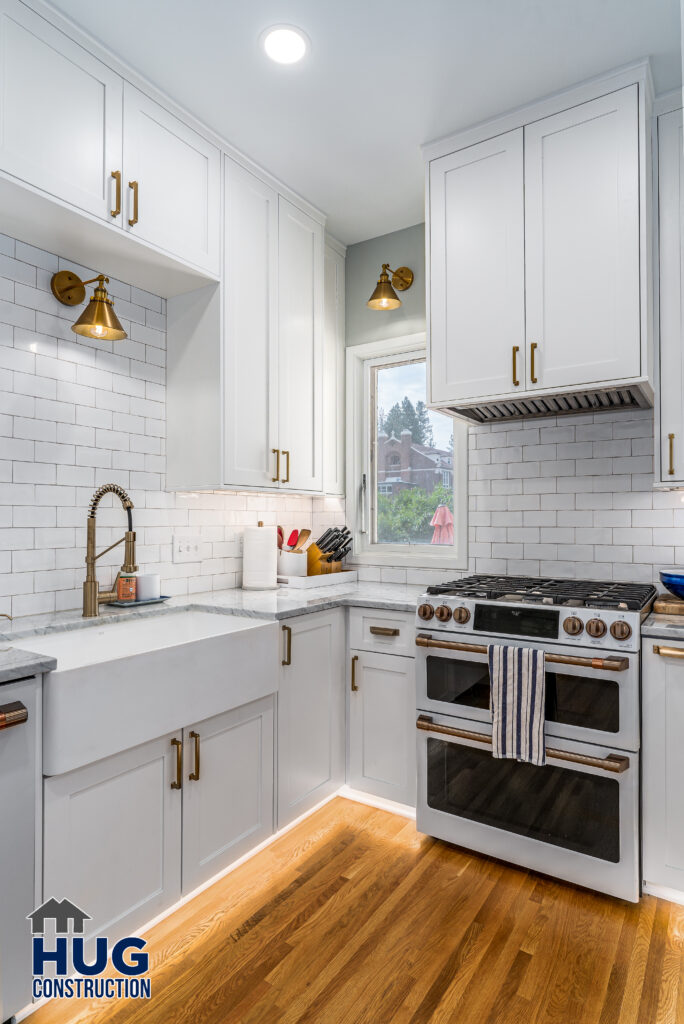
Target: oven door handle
615	763
607	664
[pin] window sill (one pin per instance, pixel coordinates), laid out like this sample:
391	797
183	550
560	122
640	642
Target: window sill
404	560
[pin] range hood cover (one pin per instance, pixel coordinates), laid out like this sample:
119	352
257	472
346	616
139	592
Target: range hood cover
634	396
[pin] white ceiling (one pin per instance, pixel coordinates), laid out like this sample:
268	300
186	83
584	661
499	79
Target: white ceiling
343	128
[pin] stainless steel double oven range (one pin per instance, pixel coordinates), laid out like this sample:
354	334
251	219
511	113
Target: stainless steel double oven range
576	818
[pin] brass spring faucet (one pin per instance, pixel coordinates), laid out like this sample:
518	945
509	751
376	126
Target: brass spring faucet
92	596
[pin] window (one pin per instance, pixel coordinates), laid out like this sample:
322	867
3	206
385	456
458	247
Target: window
406	470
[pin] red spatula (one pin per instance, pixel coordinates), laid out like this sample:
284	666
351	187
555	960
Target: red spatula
292	539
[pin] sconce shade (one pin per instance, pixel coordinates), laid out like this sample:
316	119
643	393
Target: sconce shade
385	296
98	320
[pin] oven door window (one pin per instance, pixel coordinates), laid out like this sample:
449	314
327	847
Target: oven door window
582	701
561	806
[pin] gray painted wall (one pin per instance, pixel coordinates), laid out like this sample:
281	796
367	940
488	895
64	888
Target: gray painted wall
404	248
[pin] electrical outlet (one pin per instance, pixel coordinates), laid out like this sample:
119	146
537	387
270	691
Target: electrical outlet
187	549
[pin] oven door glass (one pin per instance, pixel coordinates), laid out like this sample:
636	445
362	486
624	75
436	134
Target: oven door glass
583	701
565	807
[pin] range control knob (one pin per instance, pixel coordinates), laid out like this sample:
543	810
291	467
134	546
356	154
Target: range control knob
443	613
596	628
621	630
461	615
573	625
425	611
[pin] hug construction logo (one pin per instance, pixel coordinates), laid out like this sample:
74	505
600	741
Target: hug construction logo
62	952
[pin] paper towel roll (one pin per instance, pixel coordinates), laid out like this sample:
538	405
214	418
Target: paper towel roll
260	558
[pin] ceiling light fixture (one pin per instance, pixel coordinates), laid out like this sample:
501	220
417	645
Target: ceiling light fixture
98	320
385	296
285	44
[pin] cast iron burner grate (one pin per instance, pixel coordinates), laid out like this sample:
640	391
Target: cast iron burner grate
533	590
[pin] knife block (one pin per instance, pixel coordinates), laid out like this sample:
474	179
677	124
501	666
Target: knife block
316	564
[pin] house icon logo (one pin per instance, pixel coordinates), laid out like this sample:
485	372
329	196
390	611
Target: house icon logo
68	965
66	915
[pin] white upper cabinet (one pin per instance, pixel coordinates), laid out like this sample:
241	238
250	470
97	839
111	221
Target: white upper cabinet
582	243
250	407
333	372
300	348
60	113
477	274
539	267
669	462
172	182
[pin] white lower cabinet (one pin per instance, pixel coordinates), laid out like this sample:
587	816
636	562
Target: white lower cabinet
112	838
311	719
227	789
382	729
125	837
663	764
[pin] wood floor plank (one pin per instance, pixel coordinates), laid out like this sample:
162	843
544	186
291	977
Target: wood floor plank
352	917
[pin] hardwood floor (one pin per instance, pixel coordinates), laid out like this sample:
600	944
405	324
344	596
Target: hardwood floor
354	918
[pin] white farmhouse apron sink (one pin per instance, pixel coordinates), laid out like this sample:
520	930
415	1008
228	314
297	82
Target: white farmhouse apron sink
122	684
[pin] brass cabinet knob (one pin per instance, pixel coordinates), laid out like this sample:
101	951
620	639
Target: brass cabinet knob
425	612
461	615
596	628
620	630
573	625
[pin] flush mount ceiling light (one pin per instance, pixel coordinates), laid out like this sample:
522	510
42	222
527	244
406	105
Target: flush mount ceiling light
385	296
98	320
285	44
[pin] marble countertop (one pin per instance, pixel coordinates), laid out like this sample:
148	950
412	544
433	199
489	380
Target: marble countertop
17	664
273	604
670	627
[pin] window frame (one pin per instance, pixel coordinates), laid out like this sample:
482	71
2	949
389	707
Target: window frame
361	363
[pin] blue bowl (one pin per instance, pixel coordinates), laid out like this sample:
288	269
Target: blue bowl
673	580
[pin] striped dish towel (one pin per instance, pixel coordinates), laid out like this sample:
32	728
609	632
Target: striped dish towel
518	692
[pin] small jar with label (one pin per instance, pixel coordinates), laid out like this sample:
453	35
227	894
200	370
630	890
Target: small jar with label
126	587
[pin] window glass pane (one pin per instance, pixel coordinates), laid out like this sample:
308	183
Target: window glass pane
414	460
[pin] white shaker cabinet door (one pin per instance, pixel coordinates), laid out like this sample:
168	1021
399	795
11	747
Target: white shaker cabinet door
382	726
300	348
582	243
250	345
311	721
663	764
227	789
60	113
477	276
669	465
112	838
178	183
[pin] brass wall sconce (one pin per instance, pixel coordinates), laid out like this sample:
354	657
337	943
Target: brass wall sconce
98	320
385	294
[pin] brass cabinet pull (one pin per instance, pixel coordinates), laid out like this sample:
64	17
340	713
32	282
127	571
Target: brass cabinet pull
516	382
195	775
276	452
287	471
178	784
134	186
609	664
668	652
11	714
383	631
615	763
287	660
116	175
354	684
533	349
670	439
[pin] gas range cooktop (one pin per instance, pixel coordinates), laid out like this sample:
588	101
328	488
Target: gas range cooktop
534	590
